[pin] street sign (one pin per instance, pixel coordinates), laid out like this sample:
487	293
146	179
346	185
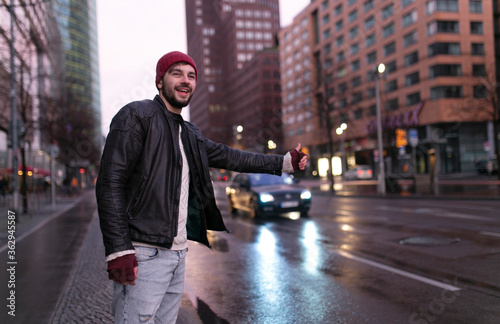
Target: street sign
413	137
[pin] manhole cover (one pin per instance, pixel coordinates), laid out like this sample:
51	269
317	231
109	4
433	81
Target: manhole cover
429	240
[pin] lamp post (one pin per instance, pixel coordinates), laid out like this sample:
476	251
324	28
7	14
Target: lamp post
14	133
381	180
340	131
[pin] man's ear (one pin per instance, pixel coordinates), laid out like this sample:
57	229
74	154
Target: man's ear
159	85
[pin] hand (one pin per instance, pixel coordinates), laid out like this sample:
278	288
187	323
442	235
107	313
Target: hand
123	270
299	159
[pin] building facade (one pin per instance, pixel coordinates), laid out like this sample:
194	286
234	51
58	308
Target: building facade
224	38
437	94
56	73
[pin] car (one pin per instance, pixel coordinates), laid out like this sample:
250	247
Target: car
220	175
360	172
265	194
487	166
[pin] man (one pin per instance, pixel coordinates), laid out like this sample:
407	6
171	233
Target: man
154	193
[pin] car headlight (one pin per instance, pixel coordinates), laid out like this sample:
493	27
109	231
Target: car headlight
265	197
305	194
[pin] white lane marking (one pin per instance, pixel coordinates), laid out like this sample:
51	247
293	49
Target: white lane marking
433	212
400	272
490	233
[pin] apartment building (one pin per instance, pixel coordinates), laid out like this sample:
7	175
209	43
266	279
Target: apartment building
436	94
224	38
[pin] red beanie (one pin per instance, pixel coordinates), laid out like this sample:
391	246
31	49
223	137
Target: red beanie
169	59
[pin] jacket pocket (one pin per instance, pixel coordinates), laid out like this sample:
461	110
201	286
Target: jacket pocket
135	197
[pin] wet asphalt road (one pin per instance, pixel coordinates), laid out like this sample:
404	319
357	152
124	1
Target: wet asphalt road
355	260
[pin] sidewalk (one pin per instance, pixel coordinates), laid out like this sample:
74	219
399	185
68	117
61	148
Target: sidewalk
463	186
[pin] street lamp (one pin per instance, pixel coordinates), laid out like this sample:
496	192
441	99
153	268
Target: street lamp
237	129
340	131
381	180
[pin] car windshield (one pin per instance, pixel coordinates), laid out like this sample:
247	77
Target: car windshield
269	179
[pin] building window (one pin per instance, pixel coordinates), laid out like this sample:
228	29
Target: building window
357	114
441	26
351	2
478	70
412	78
410	38
445	70
444	48
326	19
410	18
339	25
441	5
476	27
477	49
371	57
324	5
355	65
446	92
339	41
391	85
390	67
353	32
387	11
338	10
356	97
354	48
372	110
369	22
407	2
475	6
370	40
327	49
341	72
388	30
340	56
480	92
368	5
389	48
413	99
342	87
391	105
356	82
411	58
326	34
370	93
353	15
342	103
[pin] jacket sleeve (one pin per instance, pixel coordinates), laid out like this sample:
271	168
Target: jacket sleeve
121	151
224	157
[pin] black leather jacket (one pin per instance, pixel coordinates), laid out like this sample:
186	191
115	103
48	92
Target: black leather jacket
139	181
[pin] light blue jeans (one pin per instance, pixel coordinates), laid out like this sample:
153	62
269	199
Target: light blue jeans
157	293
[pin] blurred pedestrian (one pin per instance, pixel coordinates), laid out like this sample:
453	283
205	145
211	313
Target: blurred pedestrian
154	192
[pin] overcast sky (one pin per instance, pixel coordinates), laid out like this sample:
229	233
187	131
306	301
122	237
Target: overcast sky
133	35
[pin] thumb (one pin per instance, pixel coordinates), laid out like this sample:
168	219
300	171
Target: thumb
298	147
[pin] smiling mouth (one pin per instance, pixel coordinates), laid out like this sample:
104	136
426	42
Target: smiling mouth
183	92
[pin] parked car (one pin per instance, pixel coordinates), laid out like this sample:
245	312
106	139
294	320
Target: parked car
362	172
487	166
265	194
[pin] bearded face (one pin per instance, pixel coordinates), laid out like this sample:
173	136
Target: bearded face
177	85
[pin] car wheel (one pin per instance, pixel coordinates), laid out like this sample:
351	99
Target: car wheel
255	210
230	205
